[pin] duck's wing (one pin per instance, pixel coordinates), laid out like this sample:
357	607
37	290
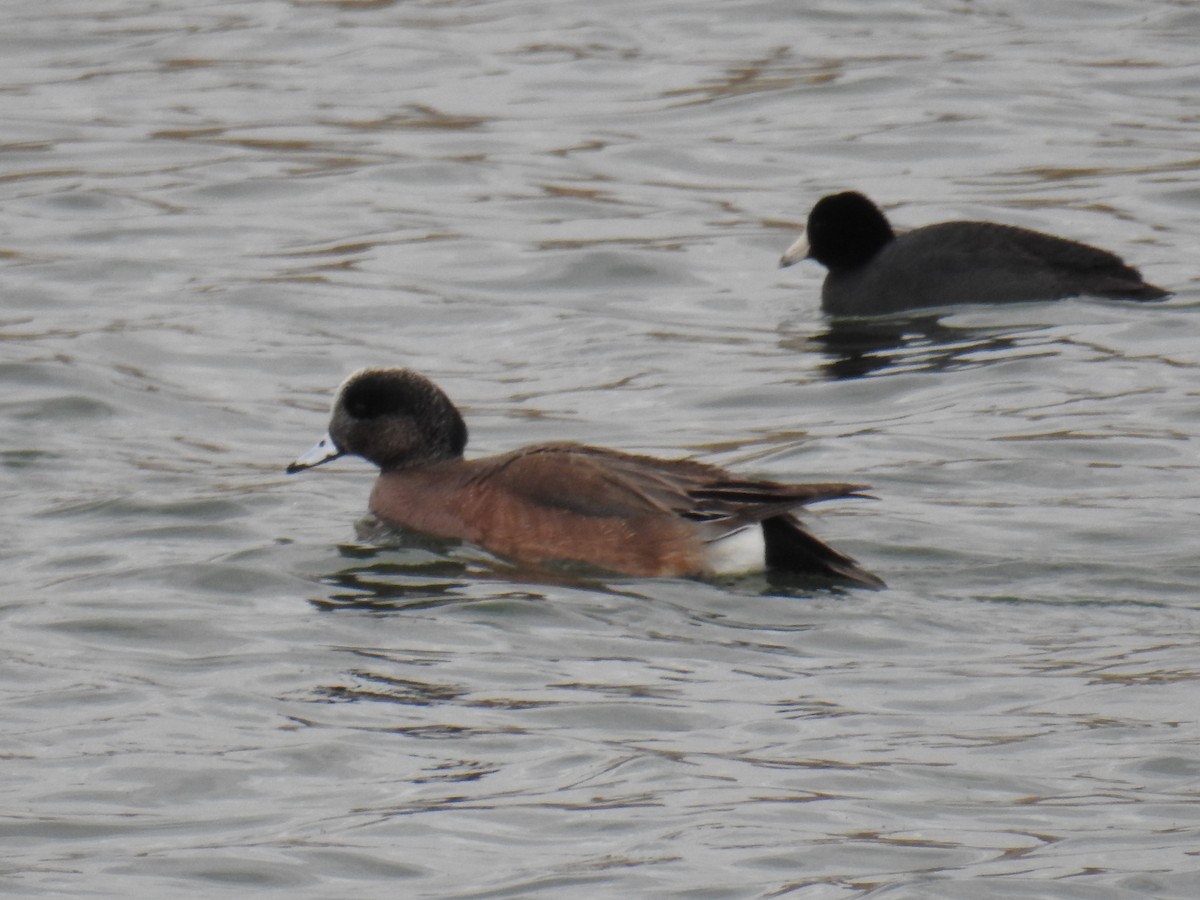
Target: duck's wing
684	516
595	481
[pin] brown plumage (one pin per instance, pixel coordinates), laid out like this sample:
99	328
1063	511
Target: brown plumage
560	502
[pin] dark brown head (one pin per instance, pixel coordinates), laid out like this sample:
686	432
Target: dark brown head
394	418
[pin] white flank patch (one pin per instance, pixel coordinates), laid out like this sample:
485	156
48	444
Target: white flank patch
743	550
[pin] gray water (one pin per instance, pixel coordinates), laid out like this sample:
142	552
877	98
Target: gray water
569	216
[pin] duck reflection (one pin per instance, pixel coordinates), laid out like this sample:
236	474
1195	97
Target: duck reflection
393	570
396	569
388	572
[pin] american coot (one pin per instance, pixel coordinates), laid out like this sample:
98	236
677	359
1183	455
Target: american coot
566	502
874	271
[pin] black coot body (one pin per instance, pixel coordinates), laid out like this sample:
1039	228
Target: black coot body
874	271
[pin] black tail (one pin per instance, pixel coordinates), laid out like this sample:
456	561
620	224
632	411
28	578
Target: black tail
791	548
1122	282
1143	292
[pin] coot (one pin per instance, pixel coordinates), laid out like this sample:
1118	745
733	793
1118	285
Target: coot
874	271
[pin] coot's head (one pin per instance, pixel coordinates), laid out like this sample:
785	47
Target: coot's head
844	232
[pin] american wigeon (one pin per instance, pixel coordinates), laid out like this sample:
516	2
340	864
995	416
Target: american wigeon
872	271
564	502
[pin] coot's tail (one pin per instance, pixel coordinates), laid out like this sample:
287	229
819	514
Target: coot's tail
1142	292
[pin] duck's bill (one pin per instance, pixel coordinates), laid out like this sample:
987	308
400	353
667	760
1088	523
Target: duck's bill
322	452
796	252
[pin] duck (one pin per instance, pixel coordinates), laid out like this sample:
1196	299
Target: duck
570	503
874	271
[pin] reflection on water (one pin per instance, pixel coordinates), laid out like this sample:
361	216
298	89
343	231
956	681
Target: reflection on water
394	570
405	570
393	586
857	348
860	348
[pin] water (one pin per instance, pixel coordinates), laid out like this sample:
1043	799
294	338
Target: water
569	216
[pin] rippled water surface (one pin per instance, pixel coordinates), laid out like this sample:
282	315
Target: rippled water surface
569	215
